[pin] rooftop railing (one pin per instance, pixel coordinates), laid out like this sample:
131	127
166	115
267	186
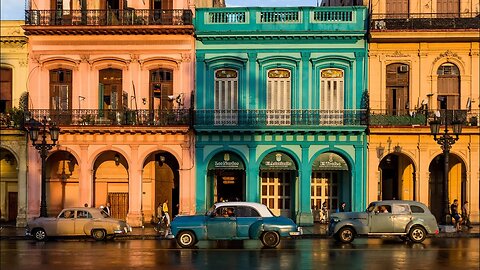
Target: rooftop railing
257	19
421	117
108	17
248	119
425	21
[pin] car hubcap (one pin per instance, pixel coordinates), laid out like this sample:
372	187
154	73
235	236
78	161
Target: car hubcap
417	234
346	235
186	239
40	234
270	238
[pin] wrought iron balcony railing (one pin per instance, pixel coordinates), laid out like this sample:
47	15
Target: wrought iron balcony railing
421	117
89	117
425	21
271	119
109	17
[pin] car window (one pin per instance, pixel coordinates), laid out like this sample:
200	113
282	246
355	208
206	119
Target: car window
401	209
210	211
371	207
246	211
416	209
383	209
225	212
66	214
83	214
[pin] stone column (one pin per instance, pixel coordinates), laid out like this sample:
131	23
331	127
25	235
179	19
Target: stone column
22	185
135	215
304	216
85	177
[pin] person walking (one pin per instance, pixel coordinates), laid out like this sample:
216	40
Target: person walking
466	215
342	207
107	209
166	217
455	215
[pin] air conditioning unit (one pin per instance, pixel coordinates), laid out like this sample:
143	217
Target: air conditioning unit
403	68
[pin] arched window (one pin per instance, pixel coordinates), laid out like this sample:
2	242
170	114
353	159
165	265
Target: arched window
397	92
332	96
226	97
5	89
279	87
448	87
61	89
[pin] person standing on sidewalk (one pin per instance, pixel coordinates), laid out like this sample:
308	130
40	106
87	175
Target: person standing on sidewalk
466	215
166	216
456	215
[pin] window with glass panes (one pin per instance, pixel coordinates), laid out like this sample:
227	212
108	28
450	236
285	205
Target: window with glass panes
278	97
324	188
331	96
60	89
276	191
448	86
226	97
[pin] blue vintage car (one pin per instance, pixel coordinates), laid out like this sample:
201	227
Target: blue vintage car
233	221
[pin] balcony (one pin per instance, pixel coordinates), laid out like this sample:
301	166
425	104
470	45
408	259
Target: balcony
425	21
100	17
258	21
400	118
116	118
278	119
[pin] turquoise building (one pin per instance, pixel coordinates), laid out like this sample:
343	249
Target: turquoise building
279	108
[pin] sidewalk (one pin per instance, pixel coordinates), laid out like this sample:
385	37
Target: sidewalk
147	233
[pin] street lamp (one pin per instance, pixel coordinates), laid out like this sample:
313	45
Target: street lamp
44	127
445	140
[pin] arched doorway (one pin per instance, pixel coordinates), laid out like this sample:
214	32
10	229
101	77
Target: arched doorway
278	172
160	182
448	87
397	178
8	186
330	182
62	182
110	172
456	182
226	174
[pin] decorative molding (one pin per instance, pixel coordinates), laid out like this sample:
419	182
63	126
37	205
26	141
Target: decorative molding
134	58
448	54
186	57
85	58
397	54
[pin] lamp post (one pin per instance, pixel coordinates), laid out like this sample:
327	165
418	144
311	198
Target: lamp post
445	140
44	127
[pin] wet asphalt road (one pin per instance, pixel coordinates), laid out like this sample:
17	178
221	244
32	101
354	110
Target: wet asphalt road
371	254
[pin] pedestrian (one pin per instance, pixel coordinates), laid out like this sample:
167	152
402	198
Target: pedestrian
165	211
455	215
106	209
324	218
159	212
342	207
466	215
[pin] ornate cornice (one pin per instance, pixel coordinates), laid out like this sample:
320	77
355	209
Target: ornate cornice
109	30
13	41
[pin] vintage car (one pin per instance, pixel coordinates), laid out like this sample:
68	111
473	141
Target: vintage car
407	219
77	221
233	221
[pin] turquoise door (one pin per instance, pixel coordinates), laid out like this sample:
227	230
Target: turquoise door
246	216
221	228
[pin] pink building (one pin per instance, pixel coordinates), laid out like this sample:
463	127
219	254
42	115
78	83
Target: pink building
117	78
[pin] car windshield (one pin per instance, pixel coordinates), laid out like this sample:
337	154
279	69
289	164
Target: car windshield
371	207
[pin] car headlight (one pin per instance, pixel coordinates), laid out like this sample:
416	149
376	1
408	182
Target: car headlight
334	220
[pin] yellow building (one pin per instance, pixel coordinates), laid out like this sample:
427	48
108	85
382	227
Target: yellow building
424	65
13	77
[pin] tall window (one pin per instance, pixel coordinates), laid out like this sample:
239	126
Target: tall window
279	87
397	8
161	86
448	8
397	89
448	86
61	89
111	89
226	97
5	89
331	96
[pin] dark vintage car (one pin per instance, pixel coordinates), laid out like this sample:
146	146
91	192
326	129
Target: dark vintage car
233	221
77	221
407	219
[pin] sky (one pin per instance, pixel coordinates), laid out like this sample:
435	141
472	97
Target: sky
14	9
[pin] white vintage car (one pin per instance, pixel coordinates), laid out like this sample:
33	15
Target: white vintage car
77	221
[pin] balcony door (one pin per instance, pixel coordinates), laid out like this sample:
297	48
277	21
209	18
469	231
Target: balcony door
448	86
226	97
397	89
331	96
279	87
110	89
5	89
397	8
448	8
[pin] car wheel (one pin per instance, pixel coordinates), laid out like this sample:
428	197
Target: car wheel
270	239
39	234
99	235
346	235
417	234
186	239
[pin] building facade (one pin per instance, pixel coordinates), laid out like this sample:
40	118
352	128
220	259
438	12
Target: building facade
278	108
424	65
117	77
13	150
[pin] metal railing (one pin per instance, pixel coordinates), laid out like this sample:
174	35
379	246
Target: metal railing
90	117
378	117
469	20
279	118
108	17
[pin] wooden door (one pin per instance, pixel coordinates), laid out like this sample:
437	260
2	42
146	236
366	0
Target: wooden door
12	206
119	204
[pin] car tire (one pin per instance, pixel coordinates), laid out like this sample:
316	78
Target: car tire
186	239
417	234
39	234
346	235
99	235
270	239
